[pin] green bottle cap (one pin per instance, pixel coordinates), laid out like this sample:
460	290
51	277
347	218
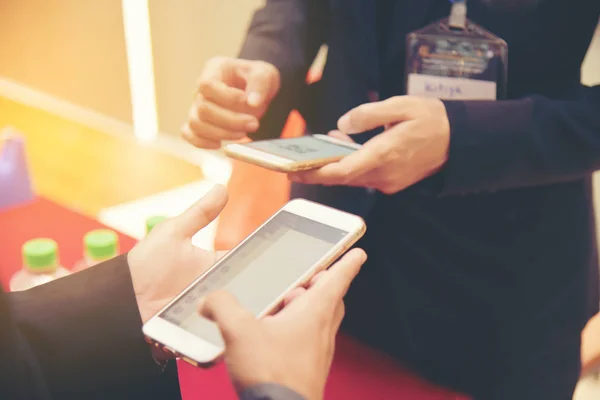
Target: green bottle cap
40	255
153	221
101	244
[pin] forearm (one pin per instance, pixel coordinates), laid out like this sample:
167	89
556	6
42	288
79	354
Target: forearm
85	331
287	34
519	143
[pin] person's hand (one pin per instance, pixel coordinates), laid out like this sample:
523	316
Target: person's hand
165	262
293	348
233	95
413	146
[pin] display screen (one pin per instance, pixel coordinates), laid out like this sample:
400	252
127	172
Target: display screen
258	271
304	148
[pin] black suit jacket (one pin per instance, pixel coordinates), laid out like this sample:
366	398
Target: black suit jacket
489	267
80	337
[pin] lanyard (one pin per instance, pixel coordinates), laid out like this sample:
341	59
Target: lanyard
458	14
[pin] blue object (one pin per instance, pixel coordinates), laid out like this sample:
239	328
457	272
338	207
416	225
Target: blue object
15	184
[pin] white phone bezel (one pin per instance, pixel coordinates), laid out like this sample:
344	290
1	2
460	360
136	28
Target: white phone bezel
280	163
191	347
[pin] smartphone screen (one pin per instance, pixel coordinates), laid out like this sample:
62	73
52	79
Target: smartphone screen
258	271
304	148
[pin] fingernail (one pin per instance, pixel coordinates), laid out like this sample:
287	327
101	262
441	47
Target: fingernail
345	124
254	99
252	126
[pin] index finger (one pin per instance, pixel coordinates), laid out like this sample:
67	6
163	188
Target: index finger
223	69
374	115
223	95
230	316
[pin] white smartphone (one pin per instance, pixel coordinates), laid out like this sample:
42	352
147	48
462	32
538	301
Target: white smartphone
301	239
292	155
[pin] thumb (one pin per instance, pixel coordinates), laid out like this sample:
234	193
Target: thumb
262	80
224	310
341	136
338	278
374	115
201	213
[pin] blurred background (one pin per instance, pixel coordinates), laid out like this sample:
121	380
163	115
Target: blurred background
99	90
77	50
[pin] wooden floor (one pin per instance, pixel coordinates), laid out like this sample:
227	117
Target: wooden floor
88	170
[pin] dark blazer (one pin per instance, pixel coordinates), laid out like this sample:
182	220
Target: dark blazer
489	269
80	338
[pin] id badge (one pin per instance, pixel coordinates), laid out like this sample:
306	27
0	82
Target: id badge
450	63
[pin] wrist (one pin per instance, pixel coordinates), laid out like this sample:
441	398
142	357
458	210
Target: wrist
140	288
159	355
302	390
161	361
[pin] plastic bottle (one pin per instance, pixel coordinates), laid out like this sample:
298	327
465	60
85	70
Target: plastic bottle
40	265
98	246
153	221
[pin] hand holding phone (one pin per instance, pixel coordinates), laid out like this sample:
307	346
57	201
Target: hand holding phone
300	240
293	348
292	155
165	262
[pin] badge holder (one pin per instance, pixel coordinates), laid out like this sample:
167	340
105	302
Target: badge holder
456	59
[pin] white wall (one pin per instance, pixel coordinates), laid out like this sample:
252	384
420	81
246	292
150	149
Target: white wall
186	33
71	49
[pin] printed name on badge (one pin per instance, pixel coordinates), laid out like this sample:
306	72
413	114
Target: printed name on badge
456	64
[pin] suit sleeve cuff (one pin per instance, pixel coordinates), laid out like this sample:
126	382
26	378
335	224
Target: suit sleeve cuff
487	142
86	328
269	391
